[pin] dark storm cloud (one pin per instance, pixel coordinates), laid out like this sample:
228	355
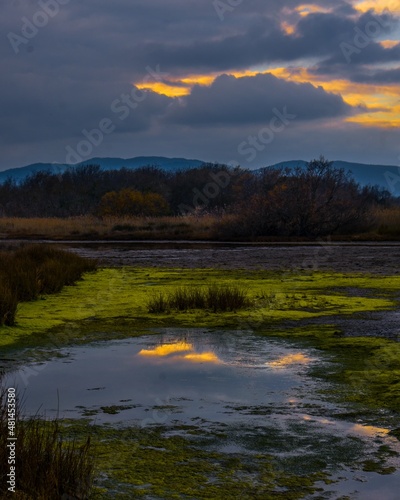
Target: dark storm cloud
317	35
66	77
39	106
359	62
238	101
388	76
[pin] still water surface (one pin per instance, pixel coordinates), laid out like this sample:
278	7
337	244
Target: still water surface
259	389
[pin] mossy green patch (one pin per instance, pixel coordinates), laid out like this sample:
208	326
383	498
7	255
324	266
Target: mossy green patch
373	466
366	369
134	463
113	302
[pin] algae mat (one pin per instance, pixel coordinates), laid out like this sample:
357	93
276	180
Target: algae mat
195	413
117	298
358	377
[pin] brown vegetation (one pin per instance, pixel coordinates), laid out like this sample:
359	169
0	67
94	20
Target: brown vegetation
34	270
46	464
380	224
212	202
132	202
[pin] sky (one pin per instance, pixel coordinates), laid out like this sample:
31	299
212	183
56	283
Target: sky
249	82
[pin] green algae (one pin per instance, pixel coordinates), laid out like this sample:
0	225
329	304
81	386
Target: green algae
135	463
147	462
152	462
112	303
366	369
373	466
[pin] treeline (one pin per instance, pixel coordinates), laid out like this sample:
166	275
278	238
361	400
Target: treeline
310	201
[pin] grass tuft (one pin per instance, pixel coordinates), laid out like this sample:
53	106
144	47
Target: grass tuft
213	297
46	465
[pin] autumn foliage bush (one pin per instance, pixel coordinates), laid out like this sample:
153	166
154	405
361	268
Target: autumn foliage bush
132	202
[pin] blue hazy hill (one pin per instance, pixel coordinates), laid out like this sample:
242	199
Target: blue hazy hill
386	176
168	164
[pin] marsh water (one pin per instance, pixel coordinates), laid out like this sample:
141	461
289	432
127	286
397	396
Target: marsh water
259	391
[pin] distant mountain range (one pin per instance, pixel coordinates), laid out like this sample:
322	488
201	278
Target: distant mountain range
170	164
386	176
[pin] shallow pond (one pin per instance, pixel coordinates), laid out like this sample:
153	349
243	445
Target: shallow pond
248	393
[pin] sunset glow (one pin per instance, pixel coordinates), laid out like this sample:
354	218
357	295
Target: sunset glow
175	352
336	66
290	359
167	349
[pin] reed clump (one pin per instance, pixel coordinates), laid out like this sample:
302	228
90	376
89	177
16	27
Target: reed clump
35	270
214	297
46	464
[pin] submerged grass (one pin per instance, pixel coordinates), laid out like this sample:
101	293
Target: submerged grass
34	270
367	369
46	464
146	462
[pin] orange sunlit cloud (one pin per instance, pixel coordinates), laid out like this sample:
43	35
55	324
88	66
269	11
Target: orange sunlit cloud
389	44
164	89
382	120
378	6
288	29
309	8
183	86
380	101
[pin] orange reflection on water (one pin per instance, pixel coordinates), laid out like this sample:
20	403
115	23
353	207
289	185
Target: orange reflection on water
167	349
290	359
208	357
176	348
368	430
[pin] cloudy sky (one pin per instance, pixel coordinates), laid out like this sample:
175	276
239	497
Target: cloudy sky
252	82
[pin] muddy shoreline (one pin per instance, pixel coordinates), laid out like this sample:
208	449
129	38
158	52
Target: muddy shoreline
376	259
370	257
382	259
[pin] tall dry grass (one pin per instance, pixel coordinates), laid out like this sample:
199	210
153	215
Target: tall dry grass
387	221
47	466
34	270
214	227
90	227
